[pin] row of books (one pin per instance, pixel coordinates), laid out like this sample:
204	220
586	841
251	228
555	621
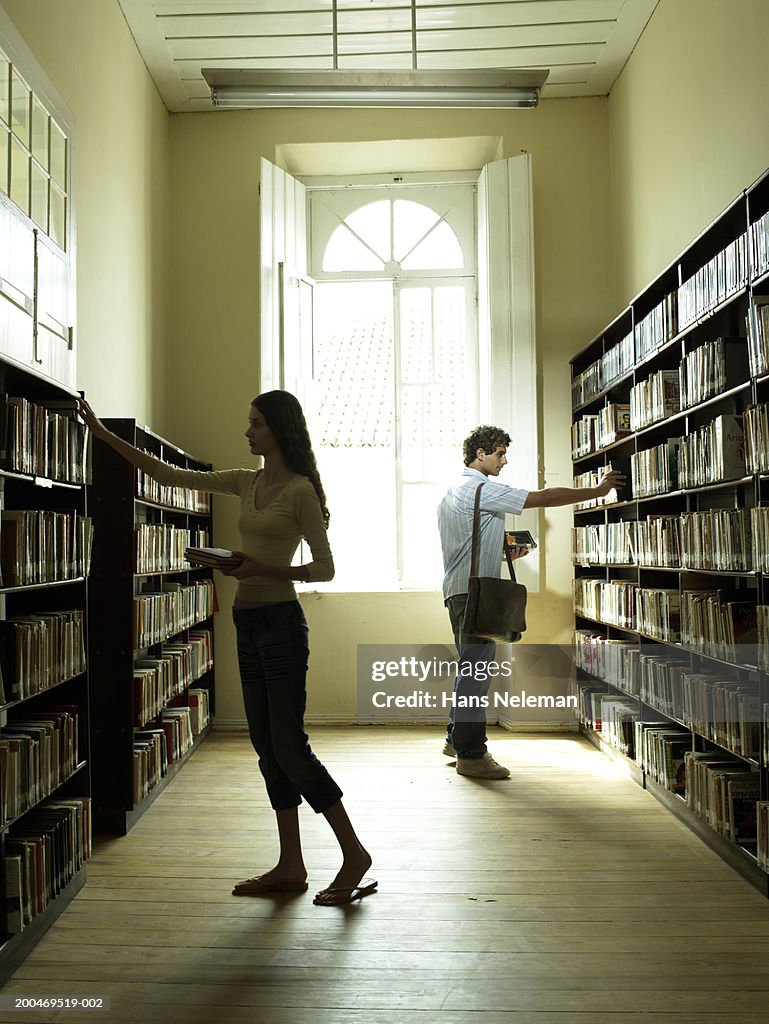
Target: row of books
155	749
757	323
611	602
610	715
756	426
659	753
184	498
173	607
712	368
160	547
717	540
762	639
759	524
715	621
655	398
200	709
43	547
594	432
714	452
43	852
717	787
727	712
657	327
721	792
601	374
723	710
712	284
591	479
46	439
40	651
702	373
759	245
37	753
157	680
712	621
762	829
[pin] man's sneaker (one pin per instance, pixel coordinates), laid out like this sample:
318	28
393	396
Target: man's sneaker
448	749
482	767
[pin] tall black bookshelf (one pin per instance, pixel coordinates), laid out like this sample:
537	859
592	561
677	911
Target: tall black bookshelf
45	537
666	639
148	619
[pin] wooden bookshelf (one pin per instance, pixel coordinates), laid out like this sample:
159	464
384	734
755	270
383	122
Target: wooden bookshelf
44	703
124	722
655	668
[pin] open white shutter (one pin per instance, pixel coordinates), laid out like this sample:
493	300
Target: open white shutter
285	291
506	327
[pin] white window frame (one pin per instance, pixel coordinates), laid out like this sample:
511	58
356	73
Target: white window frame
508	362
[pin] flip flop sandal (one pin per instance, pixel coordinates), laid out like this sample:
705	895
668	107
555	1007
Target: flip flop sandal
340	896
257	886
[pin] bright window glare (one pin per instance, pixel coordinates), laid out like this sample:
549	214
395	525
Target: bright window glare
344	250
412	222
394	391
439	251
372	223
351	419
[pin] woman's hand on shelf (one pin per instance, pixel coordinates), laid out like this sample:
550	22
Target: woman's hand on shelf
92	420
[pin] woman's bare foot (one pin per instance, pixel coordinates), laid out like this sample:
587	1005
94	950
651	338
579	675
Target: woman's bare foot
349	882
276	880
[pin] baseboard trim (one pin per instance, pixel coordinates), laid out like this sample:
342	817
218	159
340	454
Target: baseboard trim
240	724
510	726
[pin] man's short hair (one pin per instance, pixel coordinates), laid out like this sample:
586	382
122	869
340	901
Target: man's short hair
487	438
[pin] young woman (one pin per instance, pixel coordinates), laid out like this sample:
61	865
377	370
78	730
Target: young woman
280	504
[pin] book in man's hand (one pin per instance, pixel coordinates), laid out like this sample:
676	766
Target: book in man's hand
216	558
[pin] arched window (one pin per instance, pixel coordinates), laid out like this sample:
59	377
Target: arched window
394	370
392	235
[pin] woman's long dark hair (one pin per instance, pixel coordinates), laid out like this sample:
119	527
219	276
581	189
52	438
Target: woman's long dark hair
283	415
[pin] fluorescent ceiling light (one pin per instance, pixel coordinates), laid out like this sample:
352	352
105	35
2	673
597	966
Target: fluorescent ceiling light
482	88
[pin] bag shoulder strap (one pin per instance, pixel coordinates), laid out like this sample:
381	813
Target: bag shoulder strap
476	543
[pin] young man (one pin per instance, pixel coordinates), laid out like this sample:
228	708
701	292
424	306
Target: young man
485	455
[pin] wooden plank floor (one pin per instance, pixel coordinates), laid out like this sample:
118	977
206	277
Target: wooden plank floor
564	894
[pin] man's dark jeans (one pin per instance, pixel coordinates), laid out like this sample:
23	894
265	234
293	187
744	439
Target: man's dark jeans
467	725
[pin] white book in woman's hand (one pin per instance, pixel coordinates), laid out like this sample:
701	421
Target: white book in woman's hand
215	557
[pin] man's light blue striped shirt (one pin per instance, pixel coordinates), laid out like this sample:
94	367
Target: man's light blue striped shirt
455	525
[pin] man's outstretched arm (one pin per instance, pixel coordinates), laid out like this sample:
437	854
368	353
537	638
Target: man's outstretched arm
552	497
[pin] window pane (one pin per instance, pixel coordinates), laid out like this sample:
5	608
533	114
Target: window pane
5	78
345	252
412	222
420	543
39	133
58	229
58	156
4	137
451	345
351	418
372	224
416	342
19	176
439	251
39	197
20	108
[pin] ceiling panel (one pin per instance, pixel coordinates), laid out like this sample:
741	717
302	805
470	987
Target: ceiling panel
515	38
584	43
281	24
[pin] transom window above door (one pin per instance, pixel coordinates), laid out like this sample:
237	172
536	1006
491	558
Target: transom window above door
390	235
